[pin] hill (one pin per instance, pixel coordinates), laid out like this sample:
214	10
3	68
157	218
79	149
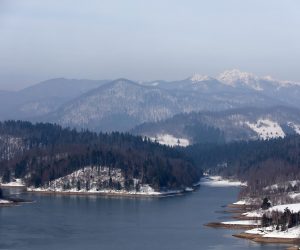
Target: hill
41	154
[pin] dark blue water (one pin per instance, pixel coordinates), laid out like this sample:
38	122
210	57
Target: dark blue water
95	222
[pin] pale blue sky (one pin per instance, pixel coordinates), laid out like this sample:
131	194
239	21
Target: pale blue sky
146	39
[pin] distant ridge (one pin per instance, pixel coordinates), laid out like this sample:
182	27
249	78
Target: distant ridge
123	104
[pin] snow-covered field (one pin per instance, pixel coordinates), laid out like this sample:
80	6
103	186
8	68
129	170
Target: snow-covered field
266	129
170	140
99	179
218	181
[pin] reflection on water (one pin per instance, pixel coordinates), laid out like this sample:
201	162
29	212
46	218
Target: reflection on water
113	223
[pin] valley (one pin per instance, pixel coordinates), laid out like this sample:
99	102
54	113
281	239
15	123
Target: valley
149	125
148	140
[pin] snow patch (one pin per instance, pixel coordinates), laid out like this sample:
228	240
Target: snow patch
291	233
199	78
242	202
15	183
280	208
5	201
266	129
218	181
170	140
242	222
296	127
284	186
280	83
235	77
271	232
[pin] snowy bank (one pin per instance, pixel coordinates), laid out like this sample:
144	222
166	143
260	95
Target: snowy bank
218	181
15	183
5	202
280	208
271	235
243	222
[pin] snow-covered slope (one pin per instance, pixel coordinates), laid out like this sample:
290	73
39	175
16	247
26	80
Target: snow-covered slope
236	124
266	129
170	140
200	78
236	78
271	232
98	179
295	208
123	104
295	127
118	105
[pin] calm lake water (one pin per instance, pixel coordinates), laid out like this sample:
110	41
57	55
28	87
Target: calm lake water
95	222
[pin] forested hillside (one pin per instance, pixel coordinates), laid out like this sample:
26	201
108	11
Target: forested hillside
41	153
248	123
260	163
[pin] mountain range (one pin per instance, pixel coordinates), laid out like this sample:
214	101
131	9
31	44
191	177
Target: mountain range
123	104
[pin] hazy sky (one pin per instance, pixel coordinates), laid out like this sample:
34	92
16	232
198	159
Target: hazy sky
146	39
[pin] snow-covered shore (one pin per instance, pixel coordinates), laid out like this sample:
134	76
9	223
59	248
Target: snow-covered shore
243	222
14	183
218	181
271	232
5	202
280	208
108	192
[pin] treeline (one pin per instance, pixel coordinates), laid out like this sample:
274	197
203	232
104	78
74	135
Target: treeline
260	163
49	152
281	221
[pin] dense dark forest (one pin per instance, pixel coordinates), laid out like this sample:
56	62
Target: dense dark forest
40	153
260	163
184	125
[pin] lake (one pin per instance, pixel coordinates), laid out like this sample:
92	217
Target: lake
114	223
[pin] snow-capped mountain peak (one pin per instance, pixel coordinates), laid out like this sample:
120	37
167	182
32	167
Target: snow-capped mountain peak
280	83
236	77
199	78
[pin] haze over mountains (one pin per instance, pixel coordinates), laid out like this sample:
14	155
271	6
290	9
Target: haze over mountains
123	104
42	98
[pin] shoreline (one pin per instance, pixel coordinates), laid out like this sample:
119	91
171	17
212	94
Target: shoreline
260	239
229	226
237	211
116	194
